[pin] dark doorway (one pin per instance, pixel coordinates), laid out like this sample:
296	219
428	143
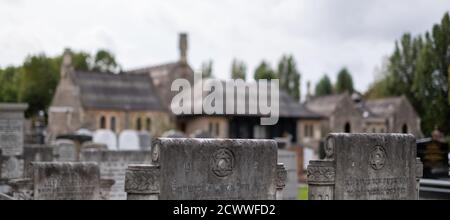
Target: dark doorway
405	129
348	128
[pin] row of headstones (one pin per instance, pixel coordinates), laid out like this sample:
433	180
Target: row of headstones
357	166
183	168
126	140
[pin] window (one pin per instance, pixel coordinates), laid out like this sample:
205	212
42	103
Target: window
148	124
138	124
309	131
347	128
113	124
102	122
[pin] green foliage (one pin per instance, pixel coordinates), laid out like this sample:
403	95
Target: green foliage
207	69
104	61
344	81
264	71
9	79
289	76
38	82
419	69
324	86
35	81
238	70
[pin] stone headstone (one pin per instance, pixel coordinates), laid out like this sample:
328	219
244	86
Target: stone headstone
173	134
66	150
36	153
106	137
145	141
66	181
129	140
11	167
207	169
365	167
113	165
289	159
11	129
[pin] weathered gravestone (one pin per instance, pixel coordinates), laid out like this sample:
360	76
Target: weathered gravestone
113	165
66	181
129	140
208	169
36	153
289	159
145	140
66	150
62	181
11	140
366	167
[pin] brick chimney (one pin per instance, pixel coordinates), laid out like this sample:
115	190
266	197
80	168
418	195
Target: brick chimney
183	44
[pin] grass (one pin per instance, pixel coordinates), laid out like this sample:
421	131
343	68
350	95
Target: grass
302	193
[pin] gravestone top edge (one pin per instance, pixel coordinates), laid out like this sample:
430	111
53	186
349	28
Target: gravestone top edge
13	106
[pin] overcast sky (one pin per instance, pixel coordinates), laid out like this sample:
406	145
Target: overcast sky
323	35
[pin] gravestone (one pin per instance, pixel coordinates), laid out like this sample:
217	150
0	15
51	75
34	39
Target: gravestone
289	159
129	140
11	129
36	153
366	167
113	165
66	150
106	137
5	197
173	134
208	169
66	181
145	140
11	140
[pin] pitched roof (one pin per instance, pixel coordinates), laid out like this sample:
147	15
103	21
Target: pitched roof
383	107
167	66
288	106
116	91
325	105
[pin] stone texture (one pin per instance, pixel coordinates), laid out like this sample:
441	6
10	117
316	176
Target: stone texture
36	153
219	169
113	165
66	181
66	150
365	167
5	197
289	159
11	128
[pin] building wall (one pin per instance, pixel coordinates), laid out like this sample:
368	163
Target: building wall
159	121
345	112
65	113
309	132
406	115
205	123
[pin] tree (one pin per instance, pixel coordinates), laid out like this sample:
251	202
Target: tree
39	77
324	87
9	80
207	69
289	76
104	61
238	70
419	69
264	71
344	81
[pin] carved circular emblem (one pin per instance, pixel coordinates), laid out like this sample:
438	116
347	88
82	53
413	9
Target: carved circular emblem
222	162
378	158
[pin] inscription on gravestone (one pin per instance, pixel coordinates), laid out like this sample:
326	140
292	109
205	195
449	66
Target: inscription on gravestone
66	181
11	128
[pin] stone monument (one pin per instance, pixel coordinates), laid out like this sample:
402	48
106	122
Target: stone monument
366	167
208	169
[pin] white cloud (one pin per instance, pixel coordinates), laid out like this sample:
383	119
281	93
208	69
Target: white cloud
323	35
